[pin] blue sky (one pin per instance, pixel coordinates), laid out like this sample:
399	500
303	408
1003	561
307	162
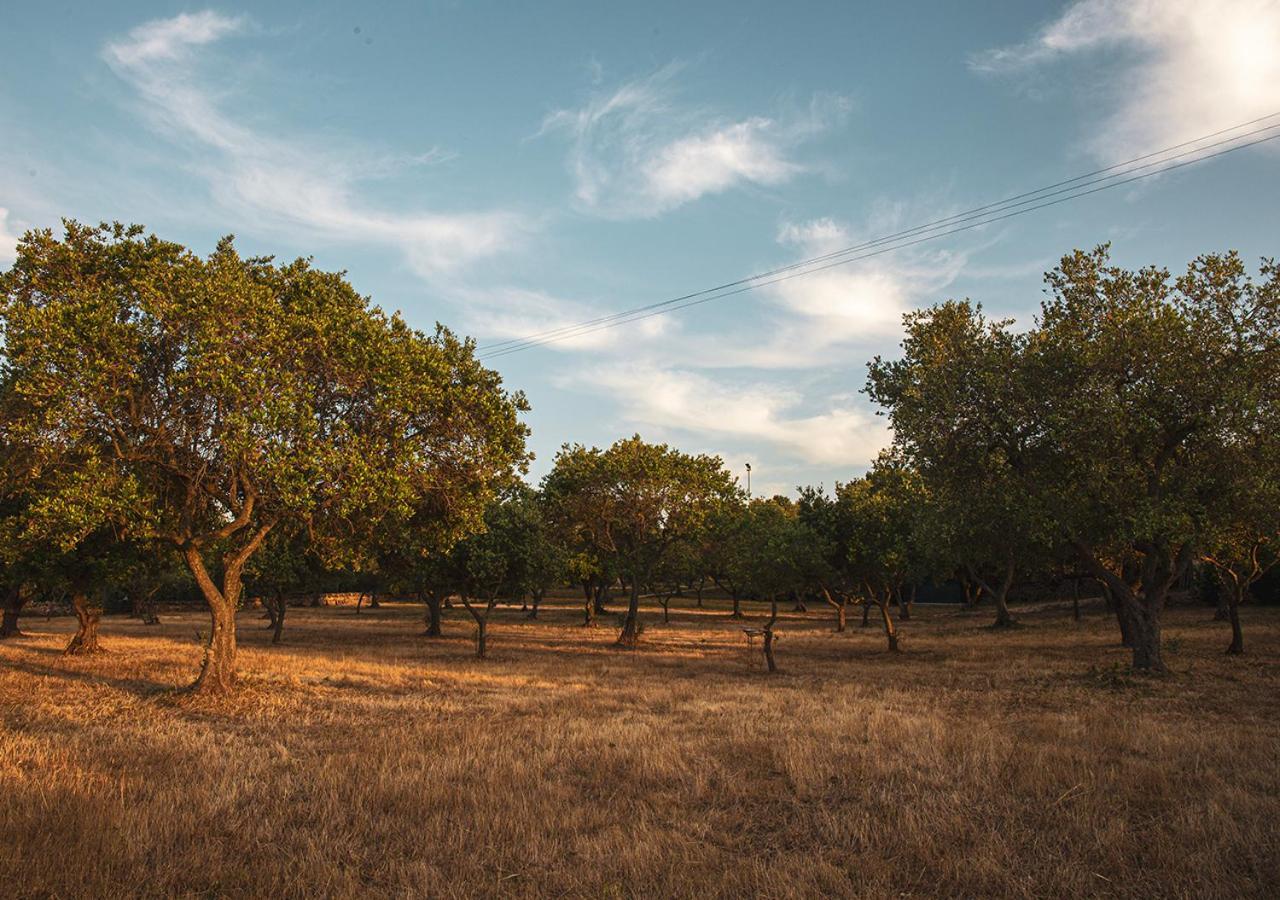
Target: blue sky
508	168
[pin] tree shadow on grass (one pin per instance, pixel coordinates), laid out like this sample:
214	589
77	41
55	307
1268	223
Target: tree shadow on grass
141	687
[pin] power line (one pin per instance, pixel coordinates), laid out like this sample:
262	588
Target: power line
1018	204
642	313
989	207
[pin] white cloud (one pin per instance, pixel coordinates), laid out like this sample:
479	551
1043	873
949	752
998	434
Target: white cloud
818	319
8	240
284	184
636	154
692	403
507	313
1193	67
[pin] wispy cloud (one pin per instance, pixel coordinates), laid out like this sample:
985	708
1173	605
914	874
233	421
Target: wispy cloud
692	404
504	312
1188	67
819	320
637	153
282	182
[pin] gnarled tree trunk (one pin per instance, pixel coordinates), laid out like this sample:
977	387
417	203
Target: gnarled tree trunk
481	616
1161	567
88	615
589	608
218	669
1145	623
537	602
839	605
1000	593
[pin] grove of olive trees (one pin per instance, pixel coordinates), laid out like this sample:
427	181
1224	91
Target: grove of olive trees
263	427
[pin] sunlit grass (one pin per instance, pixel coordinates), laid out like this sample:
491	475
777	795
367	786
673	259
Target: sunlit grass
359	758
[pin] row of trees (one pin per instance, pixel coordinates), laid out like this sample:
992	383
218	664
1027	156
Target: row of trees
270	428
1134	431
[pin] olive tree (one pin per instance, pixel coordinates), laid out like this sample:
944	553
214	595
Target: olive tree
961	406
230	396
1147	387
633	504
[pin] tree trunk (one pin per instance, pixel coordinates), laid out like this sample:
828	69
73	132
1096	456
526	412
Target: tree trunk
631	624
218	669
1004	619
702	583
359	602
537	601
1223	611
797	604
768	634
433	601
1000	593
838	605
972	593
373	600
737	606
482	622
666	610
1162	567
88	615
1123	617
589	609
1145	625
142	606
278	620
904	609
1235	596
866	612
889	631
13	604
602	594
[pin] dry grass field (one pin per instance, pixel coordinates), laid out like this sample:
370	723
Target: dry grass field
361	759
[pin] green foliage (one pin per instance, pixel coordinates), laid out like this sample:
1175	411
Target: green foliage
630	505
204	402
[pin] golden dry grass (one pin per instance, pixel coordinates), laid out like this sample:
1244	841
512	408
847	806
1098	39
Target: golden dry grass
360	759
